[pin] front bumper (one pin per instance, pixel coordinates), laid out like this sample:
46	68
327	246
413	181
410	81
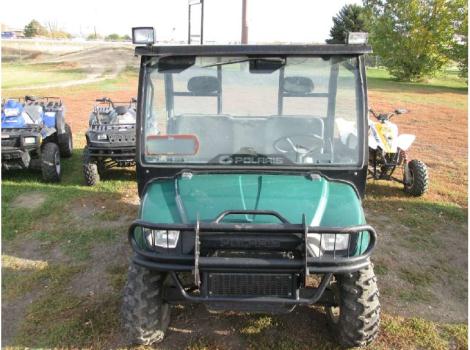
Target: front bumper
16	154
299	267
119	142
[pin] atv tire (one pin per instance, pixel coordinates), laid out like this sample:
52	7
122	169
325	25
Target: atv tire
356	323
419	182
145	315
66	142
90	169
50	162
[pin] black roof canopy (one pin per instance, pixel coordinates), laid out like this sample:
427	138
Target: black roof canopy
255	50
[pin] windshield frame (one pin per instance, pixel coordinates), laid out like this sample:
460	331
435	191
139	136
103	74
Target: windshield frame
145	93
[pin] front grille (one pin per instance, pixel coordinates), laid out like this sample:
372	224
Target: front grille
249	284
11	142
127	138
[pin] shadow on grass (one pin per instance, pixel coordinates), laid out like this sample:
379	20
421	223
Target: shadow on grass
390	199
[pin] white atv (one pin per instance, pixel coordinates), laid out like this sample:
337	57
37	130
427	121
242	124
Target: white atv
387	151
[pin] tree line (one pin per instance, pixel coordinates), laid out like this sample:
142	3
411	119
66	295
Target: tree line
52	30
413	38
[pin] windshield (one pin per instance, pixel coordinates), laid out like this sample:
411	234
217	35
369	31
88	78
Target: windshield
273	111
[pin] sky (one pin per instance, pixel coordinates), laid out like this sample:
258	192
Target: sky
268	20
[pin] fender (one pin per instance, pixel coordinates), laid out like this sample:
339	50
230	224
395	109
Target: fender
60	121
405	141
372	139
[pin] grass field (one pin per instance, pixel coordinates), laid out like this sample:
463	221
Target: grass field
16	75
65	250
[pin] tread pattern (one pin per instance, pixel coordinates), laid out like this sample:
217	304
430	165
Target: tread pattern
359	318
48	168
145	315
66	148
90	169
420	178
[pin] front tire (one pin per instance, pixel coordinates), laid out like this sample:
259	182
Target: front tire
355	321
418	183
50	162
145	315
90	169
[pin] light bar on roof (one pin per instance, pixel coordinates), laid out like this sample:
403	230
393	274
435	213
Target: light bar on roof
143	35
358	37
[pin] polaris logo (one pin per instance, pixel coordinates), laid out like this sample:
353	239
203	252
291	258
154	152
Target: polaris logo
251	160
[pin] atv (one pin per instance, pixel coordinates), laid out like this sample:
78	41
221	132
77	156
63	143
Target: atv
250	199
110	138
387	151
35	135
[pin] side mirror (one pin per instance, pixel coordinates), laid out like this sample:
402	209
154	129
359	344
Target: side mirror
401	111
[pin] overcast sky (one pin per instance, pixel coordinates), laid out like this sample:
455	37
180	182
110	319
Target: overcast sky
268	20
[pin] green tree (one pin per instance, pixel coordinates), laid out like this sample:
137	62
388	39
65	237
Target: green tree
94	36
413	37
113	37
34	28
351	18
459	47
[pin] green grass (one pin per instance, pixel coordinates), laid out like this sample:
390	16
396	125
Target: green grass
16	75
443	81
444	90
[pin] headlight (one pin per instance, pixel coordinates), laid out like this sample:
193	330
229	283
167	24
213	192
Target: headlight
29	140
161	238
318	243
11	112
101	137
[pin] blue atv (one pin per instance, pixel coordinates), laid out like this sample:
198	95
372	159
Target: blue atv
35	135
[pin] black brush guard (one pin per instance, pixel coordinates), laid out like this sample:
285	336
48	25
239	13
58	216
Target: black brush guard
325	265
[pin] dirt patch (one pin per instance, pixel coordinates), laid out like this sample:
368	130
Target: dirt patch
13	313
30	200
102	212
440	290
94	281
99	63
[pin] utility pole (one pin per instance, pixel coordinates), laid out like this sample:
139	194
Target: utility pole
201	36
244	24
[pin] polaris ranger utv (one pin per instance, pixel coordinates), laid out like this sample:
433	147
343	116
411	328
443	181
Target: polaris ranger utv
35	135
110	138
250	200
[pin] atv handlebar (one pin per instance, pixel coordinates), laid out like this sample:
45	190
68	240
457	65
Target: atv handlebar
111	102
387	116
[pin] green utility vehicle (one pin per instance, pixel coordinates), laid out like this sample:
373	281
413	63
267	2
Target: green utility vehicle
250	198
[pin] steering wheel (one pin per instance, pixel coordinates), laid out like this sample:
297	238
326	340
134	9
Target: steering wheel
296	143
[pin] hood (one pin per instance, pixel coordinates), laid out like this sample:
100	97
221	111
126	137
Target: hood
12	115
183	199
15	116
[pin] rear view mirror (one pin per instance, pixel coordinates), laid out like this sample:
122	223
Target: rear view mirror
170	145
266	65
401	111
175	64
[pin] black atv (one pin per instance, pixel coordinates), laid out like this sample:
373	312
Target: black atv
110	138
